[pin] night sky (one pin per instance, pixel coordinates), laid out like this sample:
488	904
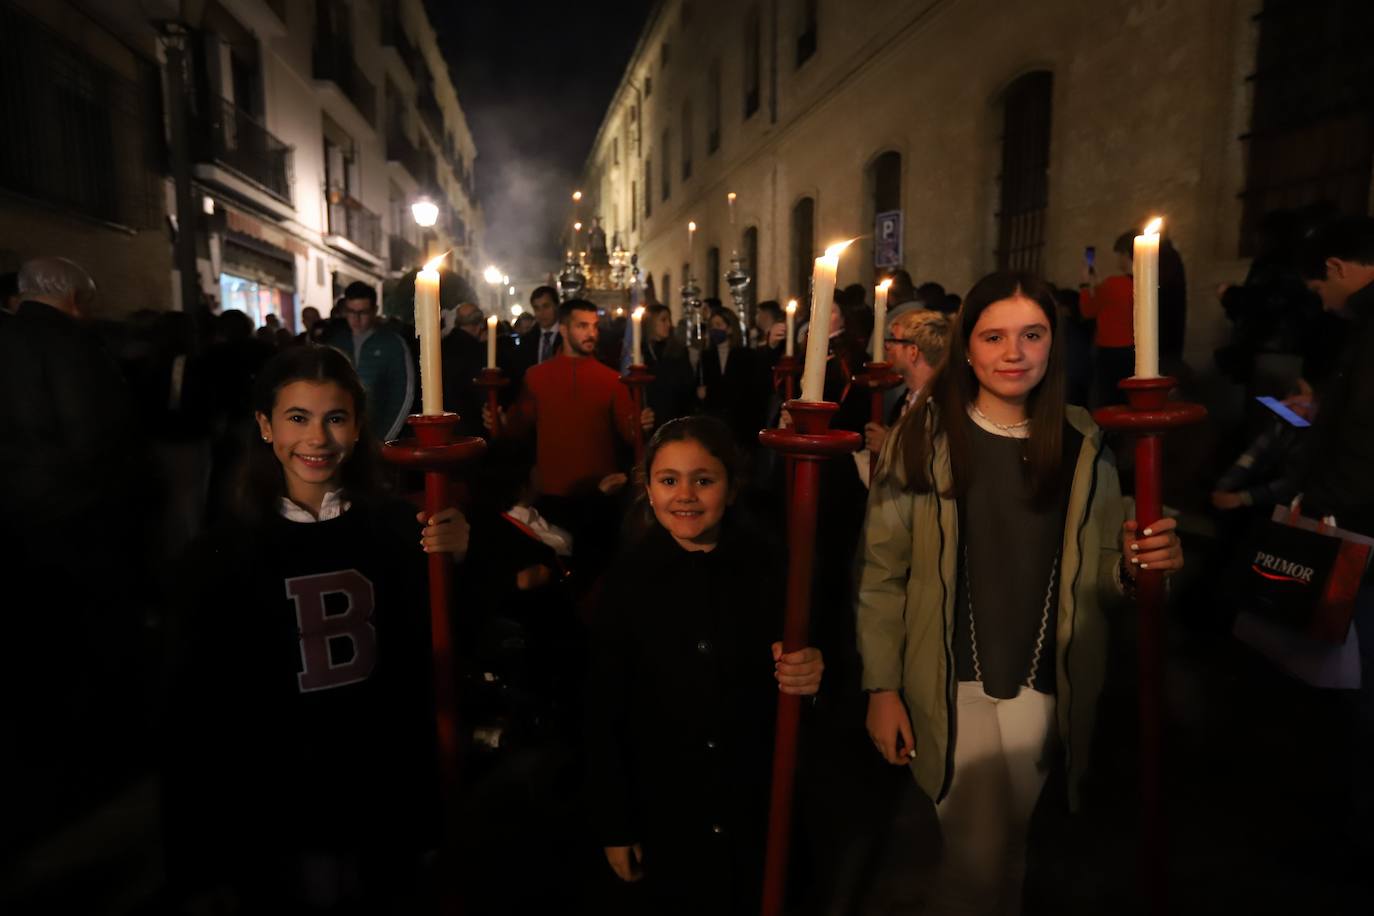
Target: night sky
534	80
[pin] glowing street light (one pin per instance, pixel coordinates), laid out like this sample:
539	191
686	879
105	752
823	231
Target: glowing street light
425	211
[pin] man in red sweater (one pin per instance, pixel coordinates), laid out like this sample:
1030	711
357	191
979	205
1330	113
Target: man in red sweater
578	408
1112	303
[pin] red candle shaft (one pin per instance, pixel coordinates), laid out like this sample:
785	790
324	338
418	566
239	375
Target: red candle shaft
801	546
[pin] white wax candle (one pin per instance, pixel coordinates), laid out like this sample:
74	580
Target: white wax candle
636	337
818	332
691	236
1146	309
730	199
427	328
491	342
880	319
791	340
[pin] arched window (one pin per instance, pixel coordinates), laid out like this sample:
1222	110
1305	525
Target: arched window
883	178
686	139
803	247
751	263
1311	136
1024	197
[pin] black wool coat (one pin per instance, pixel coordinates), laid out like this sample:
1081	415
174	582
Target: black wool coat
681	713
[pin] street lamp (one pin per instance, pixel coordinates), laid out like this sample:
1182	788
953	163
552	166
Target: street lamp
426	212
493	275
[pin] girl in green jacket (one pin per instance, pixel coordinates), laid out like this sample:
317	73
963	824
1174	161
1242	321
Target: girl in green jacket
994	542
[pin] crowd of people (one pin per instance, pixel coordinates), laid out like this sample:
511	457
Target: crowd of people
212	561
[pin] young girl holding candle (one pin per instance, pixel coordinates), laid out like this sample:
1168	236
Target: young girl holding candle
682	702
302	771
994	546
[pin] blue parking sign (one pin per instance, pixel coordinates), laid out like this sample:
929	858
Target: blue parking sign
887	239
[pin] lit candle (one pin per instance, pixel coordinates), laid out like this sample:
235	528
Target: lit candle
691	234
1146	272
491	342
880	319
637	339
818	332
427	328
730	199
791	341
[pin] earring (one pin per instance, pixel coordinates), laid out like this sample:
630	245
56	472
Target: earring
266	439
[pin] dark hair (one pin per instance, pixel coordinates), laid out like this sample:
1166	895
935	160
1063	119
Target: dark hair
262	483
711	433
503	474
772	307
1125	243
1348	238
951	303
9	285
574	305
360	290
540	291
955	387
932	294
731	324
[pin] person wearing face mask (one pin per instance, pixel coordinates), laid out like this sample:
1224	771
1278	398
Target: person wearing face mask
685	670
995	542
729	386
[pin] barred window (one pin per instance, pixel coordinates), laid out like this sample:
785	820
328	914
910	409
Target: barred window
713	107
751	263
808	28
1311	133
752	39
1024	199
803	247
665	172
686	139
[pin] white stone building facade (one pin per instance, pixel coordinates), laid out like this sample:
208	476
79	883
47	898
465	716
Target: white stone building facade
1005	134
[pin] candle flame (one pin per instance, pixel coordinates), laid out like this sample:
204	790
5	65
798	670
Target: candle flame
730	197
577	227
792	305
885	284
577	195
1154	225
691	227
434	262
491	321
834	250
638	313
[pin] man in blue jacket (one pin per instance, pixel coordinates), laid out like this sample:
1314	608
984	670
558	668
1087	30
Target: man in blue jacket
382	360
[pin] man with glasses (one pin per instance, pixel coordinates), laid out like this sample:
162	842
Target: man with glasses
382	359
915	344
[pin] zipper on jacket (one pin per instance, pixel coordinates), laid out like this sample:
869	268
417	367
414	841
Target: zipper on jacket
1068	643
947	639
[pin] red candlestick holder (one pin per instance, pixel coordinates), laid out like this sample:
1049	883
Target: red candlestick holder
785	376
435	450
806	444
493	380
636	379
1148	415
877	378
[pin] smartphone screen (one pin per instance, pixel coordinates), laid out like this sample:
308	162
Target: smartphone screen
1089	255
1283	412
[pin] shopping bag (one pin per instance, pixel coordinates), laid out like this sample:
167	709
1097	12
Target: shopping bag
1304	574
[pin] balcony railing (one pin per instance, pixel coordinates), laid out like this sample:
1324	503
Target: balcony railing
333	61
351	220
404	255
428	107
394	35
236	139
400	149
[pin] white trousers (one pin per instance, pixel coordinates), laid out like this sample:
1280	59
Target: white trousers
1000	763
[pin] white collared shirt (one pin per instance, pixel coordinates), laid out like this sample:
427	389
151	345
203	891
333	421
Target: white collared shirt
332	507
555	537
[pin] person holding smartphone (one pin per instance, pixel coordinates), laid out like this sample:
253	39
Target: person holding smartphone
1112	304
